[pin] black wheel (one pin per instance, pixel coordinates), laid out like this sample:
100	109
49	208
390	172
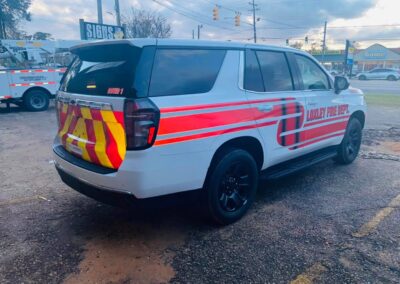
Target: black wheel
362	77
36	100
391	78
350	146
231	186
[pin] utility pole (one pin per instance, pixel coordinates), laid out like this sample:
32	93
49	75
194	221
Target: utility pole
254	20
192	33
324	44
99	12
198	31
118	13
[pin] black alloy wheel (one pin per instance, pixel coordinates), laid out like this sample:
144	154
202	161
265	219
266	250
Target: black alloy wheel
350	146
231	185
235	187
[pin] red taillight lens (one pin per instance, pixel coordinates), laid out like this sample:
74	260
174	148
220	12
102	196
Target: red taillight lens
141	123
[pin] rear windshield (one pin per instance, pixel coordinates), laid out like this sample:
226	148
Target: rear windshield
107	70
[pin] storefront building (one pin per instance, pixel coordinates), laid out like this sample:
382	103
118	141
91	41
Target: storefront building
377	56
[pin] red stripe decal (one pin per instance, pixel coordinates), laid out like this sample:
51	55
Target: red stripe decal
324	130
170	125
90	145
112	148
325	120
206	106
212	133
317	140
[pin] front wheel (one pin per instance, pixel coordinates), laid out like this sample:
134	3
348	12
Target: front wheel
391	78
36	100
231	186
350	146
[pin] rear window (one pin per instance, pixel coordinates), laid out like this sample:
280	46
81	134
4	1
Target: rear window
185	71
107	70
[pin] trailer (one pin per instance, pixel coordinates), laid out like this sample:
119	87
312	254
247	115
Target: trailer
31	71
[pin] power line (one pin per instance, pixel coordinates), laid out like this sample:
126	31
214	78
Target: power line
190	16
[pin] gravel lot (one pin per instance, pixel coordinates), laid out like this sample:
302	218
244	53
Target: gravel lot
329	223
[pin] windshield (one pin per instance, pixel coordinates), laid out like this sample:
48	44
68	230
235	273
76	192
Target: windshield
106	70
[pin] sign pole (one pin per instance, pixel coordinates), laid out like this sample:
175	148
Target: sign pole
82	28
99	12
118	13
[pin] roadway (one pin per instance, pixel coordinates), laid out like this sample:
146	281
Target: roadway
377	87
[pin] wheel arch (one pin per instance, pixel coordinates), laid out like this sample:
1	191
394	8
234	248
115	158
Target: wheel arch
36	88
360	115
248	143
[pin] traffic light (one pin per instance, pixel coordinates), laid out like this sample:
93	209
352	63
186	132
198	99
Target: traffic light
237	20
287	41
306	39
216	13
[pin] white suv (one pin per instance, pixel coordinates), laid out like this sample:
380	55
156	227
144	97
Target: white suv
145	118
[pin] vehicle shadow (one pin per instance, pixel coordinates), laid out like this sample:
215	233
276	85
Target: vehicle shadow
19	109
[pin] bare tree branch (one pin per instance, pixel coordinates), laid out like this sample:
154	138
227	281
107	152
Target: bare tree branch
143	24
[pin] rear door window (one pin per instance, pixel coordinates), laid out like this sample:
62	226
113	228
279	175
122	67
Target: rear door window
253	80
185	71
275	71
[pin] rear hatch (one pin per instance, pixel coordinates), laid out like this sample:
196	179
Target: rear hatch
102	81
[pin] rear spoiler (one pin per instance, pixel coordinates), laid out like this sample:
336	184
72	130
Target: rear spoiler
131	42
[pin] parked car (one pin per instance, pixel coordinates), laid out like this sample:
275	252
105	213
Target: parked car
380	74
144	118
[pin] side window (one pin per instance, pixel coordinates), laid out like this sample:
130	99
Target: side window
313	76
275	71
252	74
185	71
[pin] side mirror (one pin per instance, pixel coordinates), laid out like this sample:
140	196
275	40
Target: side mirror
341	83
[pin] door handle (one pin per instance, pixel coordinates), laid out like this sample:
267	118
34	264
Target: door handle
312	104
265	108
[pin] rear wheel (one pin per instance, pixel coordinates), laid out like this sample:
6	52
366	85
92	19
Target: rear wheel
362	77
231	186
391	78
36	100
350	146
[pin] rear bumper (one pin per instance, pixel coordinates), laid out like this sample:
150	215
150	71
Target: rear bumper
142	174
105	196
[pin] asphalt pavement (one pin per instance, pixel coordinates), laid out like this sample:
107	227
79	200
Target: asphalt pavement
377	87
329	223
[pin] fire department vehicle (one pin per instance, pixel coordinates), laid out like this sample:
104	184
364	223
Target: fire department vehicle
30	71
146	118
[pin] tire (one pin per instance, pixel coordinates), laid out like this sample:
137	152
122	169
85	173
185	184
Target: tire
391	78
350	146
231	186
36	100
362	78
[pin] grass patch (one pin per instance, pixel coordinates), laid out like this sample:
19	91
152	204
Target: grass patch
383	100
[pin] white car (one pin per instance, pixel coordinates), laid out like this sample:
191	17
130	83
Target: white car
380	74
144	118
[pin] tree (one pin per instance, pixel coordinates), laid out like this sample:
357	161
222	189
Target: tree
142	24
12	12
297	44
41	36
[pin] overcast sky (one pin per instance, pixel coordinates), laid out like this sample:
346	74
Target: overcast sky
278	19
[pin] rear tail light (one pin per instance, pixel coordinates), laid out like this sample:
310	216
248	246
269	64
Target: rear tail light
141	123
